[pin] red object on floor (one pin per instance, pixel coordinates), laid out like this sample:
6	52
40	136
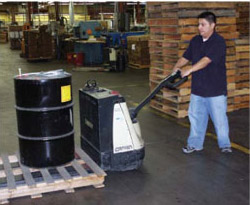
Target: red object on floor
78	59
70	58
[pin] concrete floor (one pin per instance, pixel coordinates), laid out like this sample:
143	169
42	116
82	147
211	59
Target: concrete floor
167	176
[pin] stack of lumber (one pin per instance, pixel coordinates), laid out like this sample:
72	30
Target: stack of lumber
242	19
3	36
241	95
164	48
138	51
172	26
16	35
39	44
31	41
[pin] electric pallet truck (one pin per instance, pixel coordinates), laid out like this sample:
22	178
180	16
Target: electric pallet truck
110	132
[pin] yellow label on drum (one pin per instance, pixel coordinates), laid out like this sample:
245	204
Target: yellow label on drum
65	93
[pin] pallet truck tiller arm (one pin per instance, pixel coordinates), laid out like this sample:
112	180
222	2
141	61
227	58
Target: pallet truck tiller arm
169	82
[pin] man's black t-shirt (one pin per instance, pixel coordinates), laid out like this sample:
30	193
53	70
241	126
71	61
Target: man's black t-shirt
210	81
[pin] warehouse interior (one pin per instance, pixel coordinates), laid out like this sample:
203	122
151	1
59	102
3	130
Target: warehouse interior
121	51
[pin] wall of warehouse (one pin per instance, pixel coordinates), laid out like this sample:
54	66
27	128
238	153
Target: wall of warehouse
20	17
80	11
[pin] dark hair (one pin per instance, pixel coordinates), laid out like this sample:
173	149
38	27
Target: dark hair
209	16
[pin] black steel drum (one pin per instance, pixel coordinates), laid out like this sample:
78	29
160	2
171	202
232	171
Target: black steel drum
44	110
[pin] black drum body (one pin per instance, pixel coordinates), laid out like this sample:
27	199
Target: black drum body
44	110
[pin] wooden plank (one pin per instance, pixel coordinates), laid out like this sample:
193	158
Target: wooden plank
138	66
194	29
241	98
242	64
231	58
242	92
159	106
230	86
46	176
230	72
194	13
172	36
231	35
242	48
169	6
8	171
98	171
173	105
242	105
79	169
172	14
156	37
188	29
12	159
153	15
169	51
169	29
242	41
240	56
242	70
230	43
242	85
199	5
162	22
26	173
226	28
63	172
220	20
242	77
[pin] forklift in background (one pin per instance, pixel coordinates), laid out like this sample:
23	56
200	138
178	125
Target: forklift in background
115	56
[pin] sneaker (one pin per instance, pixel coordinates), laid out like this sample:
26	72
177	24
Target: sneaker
226	150
188	149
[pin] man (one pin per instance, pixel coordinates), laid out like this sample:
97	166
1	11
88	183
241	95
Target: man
207	52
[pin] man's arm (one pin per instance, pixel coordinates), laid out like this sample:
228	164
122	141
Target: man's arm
202	63
180	63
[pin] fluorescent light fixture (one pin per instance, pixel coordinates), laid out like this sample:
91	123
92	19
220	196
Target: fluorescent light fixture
135	3
51	3
88	3
106	13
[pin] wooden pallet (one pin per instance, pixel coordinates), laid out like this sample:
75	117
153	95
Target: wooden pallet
17	180
39	59
138	66
168	110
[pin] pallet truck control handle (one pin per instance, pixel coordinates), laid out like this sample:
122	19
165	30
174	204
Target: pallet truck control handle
91	85
172	81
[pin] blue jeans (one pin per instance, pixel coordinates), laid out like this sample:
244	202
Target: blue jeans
200	108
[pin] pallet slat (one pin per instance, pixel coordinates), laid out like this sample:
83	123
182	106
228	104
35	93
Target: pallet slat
90	162
46	176
8	171
26	173
65	175
79	169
